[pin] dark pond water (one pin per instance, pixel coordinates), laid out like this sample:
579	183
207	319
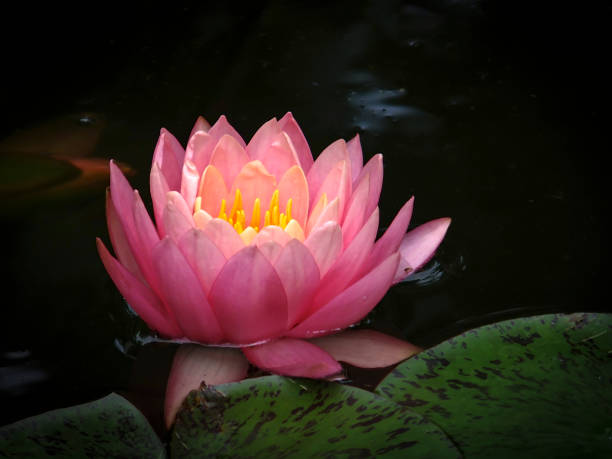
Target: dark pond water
492	113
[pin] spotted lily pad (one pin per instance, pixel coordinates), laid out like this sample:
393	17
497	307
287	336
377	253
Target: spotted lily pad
109	427
280	417
532	387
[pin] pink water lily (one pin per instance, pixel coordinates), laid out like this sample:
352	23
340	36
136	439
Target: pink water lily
262	248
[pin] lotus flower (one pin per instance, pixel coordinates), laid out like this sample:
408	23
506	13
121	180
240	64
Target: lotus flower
264	249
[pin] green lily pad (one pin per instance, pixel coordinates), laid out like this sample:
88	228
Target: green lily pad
274	416
109	427
532	387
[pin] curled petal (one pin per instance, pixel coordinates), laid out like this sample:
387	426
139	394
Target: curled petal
194	365
169	156
140	297
366	348
249	299
184	294
419	245
350	306
290	126
293	357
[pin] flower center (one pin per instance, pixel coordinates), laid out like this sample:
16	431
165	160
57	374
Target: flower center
237	217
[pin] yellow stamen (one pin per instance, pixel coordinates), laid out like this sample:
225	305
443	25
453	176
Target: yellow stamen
275	215
237	203
198	204
222	213
274	200
288	209
267	218
283	221
256	215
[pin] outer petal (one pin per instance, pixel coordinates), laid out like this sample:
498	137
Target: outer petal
290	126
159	191
119	239
321	168
325	245
201	125
356	155
348	264
194	365
223	127
203	255
300	276
293	357
140	297
331	213
176	222
229	158
249	299
350	306
337	184
169	156
366	348
293	185
199	148
419	245
356	211
373	169
272	233
189	183
148	237
184	294
390	241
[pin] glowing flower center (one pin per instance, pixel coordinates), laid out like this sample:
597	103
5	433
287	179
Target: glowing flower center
237	217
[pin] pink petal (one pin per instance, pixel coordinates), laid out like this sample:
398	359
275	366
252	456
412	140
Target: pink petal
159	191
390	241
373	169
212	190
356	156
184	294
325	245
203	256
262	139
194	365
366	348
254	181
419	245
140	297
224	236
348	264
272	233
223	127
293	357
299	273
148	237
199	149
249	299
351	305
201	125
293	185
356	211
331	213
337	184
119	239
229	158
279	155
291	127
327	160
271	250
177	220
189	183
169	156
